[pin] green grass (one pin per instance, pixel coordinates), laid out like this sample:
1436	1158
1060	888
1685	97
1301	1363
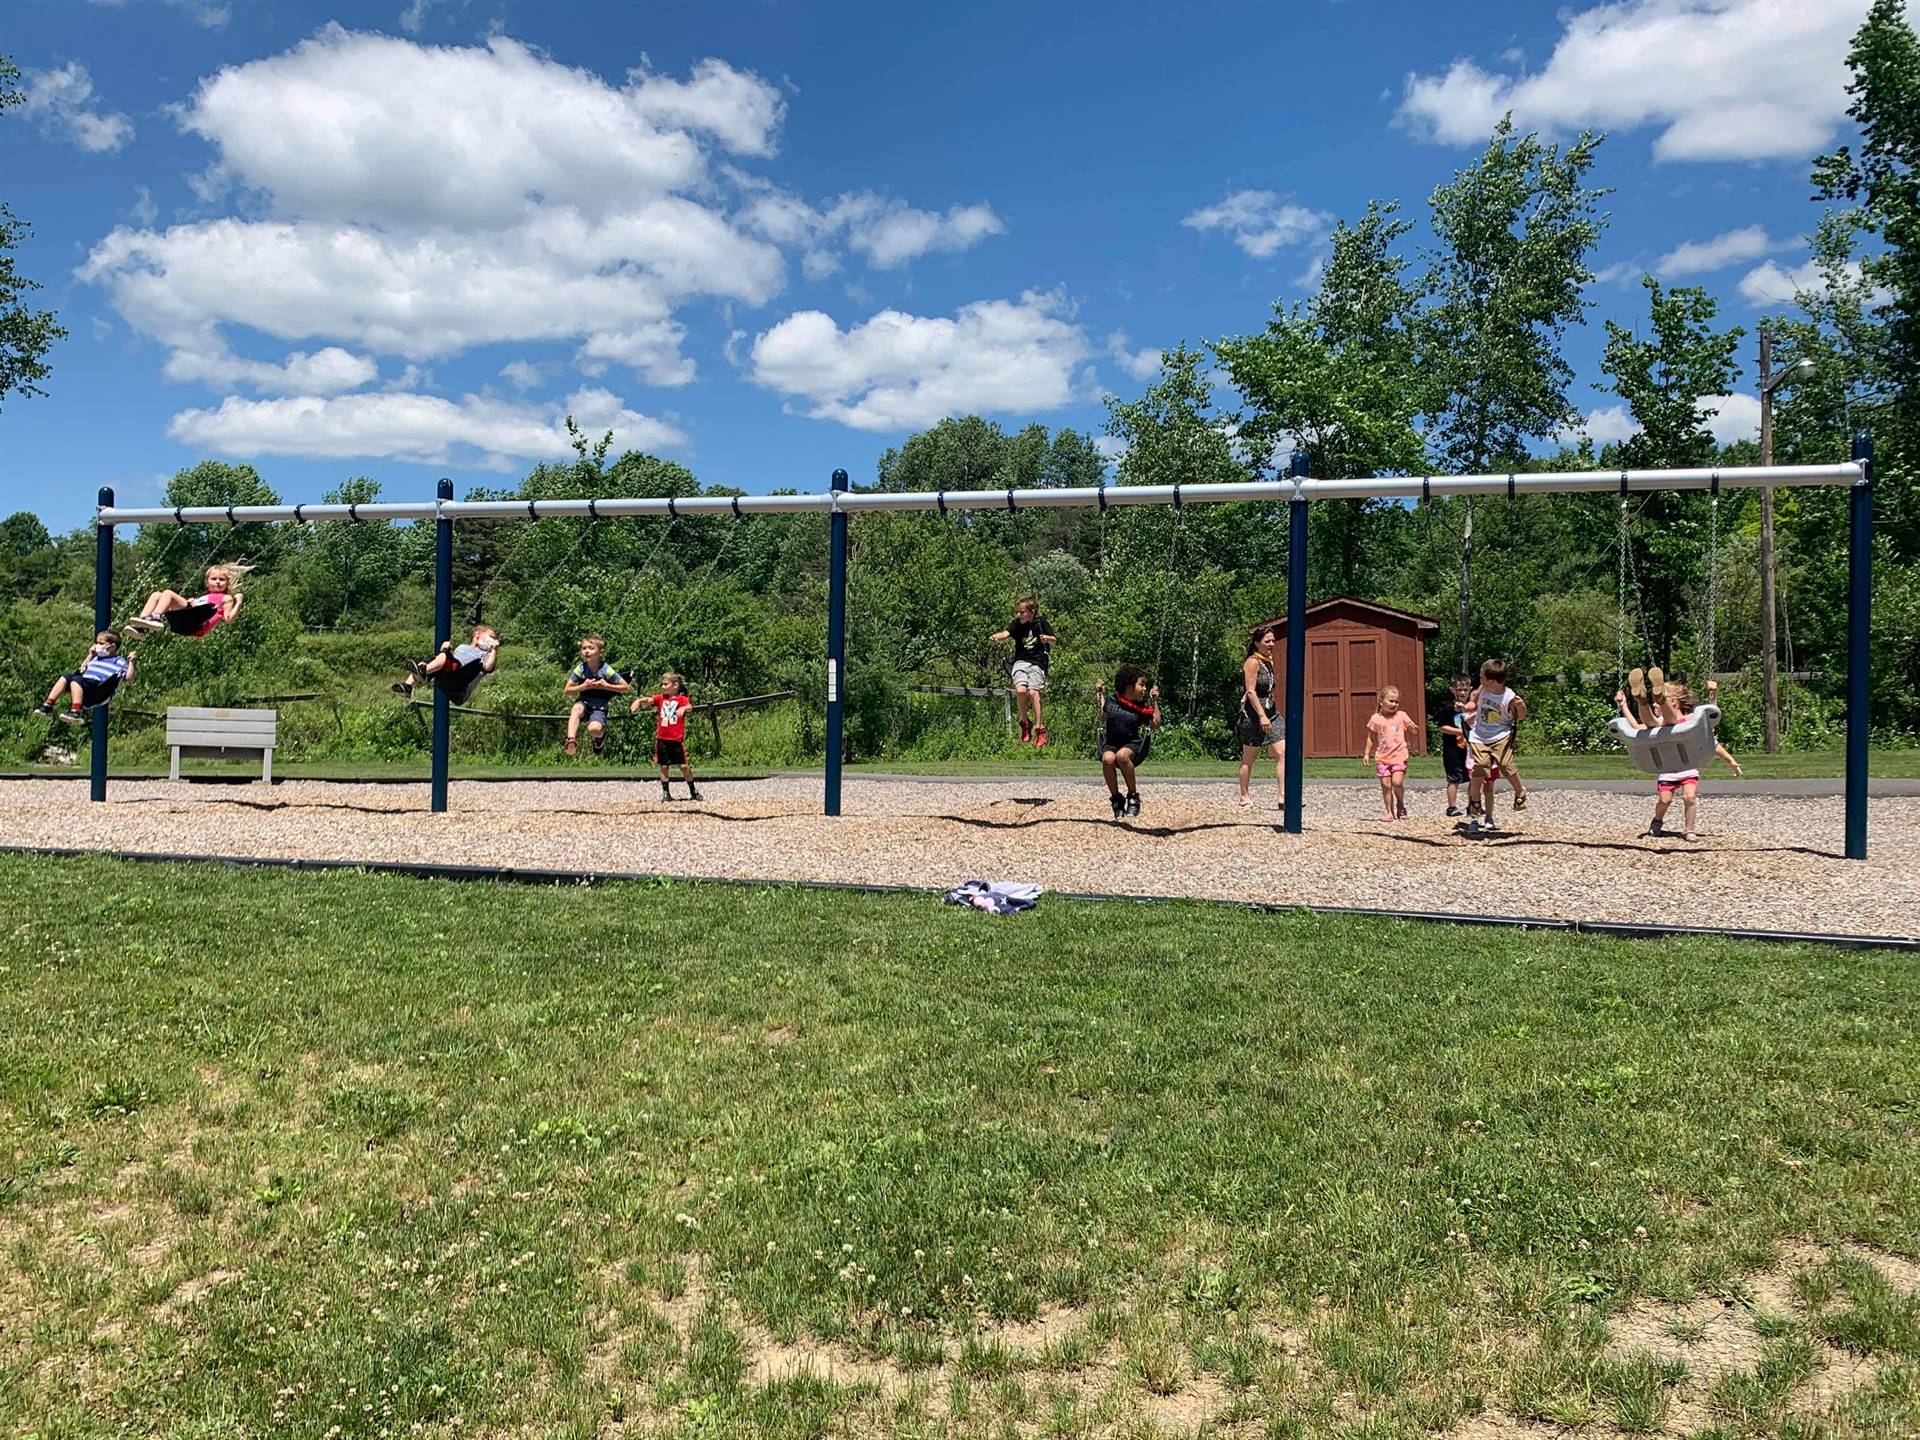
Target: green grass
282	1153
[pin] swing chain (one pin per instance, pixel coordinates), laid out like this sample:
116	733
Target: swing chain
1713	571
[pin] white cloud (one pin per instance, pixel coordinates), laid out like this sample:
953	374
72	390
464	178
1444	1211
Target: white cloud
421	428
1621	272
1698	257
211	13
521	374
323	372
1735	417
1142	364
1773	284
1723	79
386	131
61	103
1728	418
143	212
1110	448
897	371
651	351
888	232
414	16
1260	222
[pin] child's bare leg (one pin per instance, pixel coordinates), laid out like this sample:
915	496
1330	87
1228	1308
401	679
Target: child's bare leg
573	720
438	663
1690	807
1034	696
1386	795
1109	767
1123	758
59	689
1399	791
1661	805
161	601
596	730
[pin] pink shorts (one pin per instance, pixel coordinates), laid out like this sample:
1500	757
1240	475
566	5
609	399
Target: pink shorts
1387	772
1667	787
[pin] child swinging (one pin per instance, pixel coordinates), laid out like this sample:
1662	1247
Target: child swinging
200	614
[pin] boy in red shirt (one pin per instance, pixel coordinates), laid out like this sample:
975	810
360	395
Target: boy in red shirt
670	732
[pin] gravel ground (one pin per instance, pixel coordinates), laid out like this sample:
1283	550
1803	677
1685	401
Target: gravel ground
1763	862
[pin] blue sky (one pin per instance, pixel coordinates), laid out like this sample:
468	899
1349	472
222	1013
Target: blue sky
402	238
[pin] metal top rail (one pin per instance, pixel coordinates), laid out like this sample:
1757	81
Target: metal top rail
1390	487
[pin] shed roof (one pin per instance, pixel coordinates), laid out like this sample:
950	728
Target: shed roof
1420	622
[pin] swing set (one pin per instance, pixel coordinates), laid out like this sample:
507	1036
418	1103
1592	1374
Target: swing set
839	504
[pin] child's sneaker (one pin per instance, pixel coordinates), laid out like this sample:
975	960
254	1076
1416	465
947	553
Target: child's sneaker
692	794
1039	736
44	709
75	717
1454	811
1133	802
1119	806
666	791
1026	732
599	744
1401	813
571	748
145	622
1490	825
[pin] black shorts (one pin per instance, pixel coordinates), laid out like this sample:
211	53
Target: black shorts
458	682
1139	744
1453	759
94	692
669	752
190	619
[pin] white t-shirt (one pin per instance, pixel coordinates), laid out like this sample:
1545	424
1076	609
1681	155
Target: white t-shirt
1492	716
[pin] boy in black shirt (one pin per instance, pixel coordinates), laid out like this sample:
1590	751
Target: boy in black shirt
1450	719
1128	719
1032	638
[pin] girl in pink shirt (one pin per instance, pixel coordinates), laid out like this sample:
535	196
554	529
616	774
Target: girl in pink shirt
194	614
1387	750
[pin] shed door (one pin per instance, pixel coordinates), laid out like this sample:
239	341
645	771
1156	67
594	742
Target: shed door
1364	665
1326	697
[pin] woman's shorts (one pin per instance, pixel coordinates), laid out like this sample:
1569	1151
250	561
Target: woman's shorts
669	752
1026	673
1251	733
191	619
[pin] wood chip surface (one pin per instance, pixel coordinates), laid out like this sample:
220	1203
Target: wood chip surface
1763	862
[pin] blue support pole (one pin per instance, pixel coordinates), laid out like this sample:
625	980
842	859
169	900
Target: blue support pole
1859	647
836	641
1296	648
442	632
102	620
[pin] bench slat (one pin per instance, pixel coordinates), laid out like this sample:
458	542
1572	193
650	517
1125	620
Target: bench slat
201	712
225	742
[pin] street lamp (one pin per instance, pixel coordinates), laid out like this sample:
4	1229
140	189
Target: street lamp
1769	642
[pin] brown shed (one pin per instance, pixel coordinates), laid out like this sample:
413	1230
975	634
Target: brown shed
1355	649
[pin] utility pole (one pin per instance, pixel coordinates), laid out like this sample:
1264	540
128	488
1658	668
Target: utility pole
1769	639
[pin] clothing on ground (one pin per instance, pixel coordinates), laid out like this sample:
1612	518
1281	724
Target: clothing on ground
996	897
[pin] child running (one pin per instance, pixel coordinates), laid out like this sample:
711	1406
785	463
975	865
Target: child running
201	615
1033	639
1450	719
1387	750
1673	702
1128	719
670	732
93	682
591	685
458	669
1496	710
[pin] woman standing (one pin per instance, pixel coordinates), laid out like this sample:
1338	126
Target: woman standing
1260	724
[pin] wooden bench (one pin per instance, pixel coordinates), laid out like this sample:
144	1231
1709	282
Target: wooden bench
203	734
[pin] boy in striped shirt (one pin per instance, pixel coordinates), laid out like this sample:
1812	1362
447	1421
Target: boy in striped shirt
93	683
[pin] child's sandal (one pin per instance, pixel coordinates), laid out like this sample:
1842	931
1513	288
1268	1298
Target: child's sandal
1637	683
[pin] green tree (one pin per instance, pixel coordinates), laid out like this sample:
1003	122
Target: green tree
1335	375
26	335
347	568
1666	379
1506	279
1883	180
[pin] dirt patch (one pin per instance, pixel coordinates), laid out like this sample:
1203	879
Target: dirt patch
780	1035
191	1292
1047	1331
